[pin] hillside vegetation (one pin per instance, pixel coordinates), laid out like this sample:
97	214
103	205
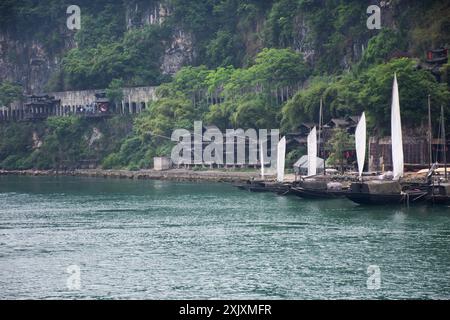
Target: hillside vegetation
255	64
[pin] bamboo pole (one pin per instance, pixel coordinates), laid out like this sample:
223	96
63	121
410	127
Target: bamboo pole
430	134
444	138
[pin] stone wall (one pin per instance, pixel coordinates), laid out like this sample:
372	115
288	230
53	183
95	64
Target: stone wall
135	95
135	100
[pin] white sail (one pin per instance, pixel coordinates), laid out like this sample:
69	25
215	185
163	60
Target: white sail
360	140
396	133
312	152
281	155
261	158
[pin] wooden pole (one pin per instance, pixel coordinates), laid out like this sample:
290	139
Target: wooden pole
321	134
430	133
444	139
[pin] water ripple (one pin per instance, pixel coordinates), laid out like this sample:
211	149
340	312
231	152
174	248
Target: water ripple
162	240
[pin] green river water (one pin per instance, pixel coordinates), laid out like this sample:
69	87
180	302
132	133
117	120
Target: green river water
166	240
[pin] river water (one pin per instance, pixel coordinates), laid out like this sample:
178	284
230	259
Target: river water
164	240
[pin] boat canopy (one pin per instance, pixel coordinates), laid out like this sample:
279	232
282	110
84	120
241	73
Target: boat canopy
301	166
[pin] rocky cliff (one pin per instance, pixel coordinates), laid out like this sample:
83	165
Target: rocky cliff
31	62
28	62
331	35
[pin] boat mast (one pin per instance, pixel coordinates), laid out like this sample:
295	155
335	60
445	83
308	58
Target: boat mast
430	134
444	141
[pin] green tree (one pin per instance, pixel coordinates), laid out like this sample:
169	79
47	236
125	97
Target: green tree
279	29
381	47
305	105
221	51
414	87
217	79
221	115
103	26
114	92
136	59
65	141
279	67
9	92
252	111
340	142
369	91
15	143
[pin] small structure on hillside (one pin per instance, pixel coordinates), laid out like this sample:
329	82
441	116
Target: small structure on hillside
102	102
38	107
161	163
437	56
98	108
435	59
348	124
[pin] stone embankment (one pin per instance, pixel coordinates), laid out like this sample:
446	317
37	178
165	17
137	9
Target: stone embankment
172	175
191	175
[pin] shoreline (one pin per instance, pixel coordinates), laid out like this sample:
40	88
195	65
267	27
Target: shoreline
181	175
169	175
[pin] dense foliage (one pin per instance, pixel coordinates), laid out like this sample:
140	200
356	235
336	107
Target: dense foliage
339	143
9	92
60	142
370	91
255	64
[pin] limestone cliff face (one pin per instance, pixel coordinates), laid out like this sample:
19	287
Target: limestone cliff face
141	14
179	48
30	63
179	51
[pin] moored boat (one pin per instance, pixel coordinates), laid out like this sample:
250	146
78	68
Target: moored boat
309	193
265	186
439	194
384	193
279	187
250	185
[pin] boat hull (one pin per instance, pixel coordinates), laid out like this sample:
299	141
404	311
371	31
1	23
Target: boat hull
386	199
439	194
439	199
317	194
264	187
376	199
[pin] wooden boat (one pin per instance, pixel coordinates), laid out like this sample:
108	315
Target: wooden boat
408	197
307	193
279	187
263	186
438	188
439	194
249	184
384	193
